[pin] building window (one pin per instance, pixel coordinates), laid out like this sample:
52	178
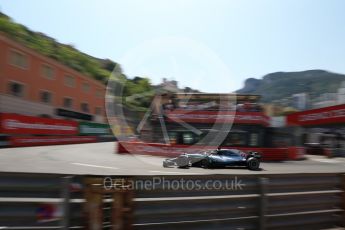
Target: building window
85	87
16	89
236	139
98	93
48	72
188	138
254	139
19	59
173	137
46	97
98	111
69	81
67	102
84	107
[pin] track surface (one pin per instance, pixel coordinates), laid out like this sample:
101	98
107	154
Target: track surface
100	159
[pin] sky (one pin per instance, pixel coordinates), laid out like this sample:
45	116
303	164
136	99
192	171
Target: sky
210	45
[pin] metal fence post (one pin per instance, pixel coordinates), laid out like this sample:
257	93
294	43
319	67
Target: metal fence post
129	209
343	187
263	183
117	213
122	210
93	205
65	194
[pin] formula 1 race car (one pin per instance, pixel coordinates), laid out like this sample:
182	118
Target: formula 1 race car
216	158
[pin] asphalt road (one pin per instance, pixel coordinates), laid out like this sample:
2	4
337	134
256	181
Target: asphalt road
100	159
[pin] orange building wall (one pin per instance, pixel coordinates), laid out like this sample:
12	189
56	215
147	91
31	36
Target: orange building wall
34	80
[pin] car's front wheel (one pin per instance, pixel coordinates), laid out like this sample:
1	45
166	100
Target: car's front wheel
182	162
253	163
205	164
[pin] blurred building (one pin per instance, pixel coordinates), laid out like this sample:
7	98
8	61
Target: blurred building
283	102
341	94
300	101
36	85
169	85
273	109
278	121
326	100
320	128
330	99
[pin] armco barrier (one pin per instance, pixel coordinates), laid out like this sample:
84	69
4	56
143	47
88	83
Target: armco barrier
173	150
296	201
40	201
29	125
50	140
296	153
289	201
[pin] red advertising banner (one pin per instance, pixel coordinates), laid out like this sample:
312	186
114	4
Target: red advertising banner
218	117
20	124
327	115
50	140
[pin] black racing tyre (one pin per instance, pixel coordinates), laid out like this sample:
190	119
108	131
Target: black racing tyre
165	164
253	163
205	164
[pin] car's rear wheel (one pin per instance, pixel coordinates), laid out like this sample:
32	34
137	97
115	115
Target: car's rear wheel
165	164
253	163
205	164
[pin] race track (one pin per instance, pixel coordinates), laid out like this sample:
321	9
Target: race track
100	159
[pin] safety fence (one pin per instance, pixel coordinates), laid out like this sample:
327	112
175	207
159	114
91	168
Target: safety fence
275	201
20	130
40	201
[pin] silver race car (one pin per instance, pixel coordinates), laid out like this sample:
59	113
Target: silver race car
216	158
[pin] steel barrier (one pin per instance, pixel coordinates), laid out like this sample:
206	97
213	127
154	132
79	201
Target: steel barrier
291	201
288	201
40	201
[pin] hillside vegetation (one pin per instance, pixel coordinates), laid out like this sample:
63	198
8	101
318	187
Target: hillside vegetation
275	86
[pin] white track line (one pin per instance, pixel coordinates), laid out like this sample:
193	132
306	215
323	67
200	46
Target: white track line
172	172
327	160
95	166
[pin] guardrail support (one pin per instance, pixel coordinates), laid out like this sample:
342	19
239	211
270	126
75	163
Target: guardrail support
343	185
122	211
93	205
65	194
263	183
122	202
